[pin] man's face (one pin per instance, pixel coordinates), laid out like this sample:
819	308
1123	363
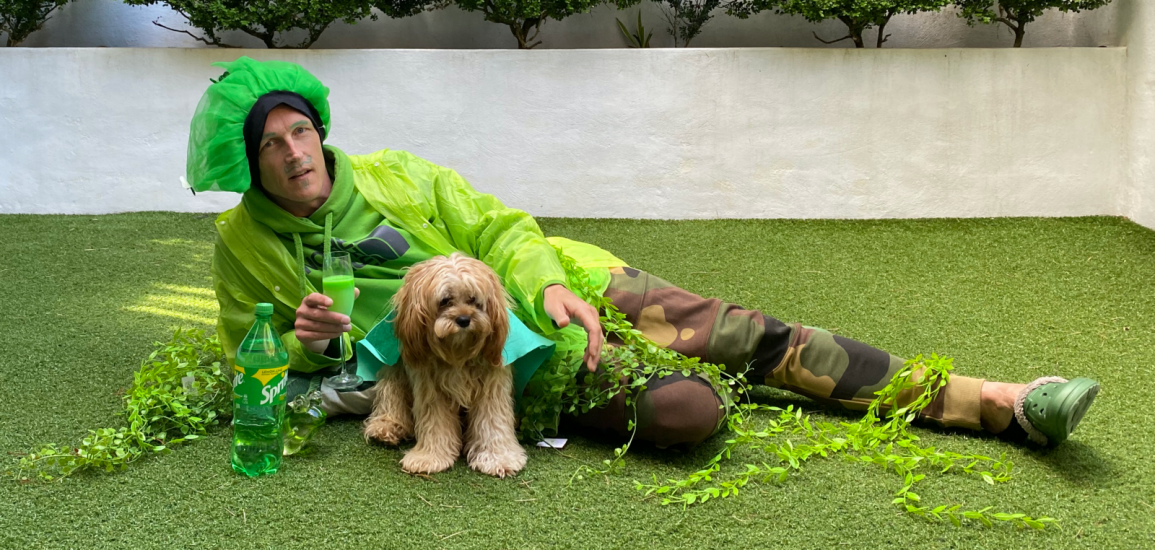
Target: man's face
292	163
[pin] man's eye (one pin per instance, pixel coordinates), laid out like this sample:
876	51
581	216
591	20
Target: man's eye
445	301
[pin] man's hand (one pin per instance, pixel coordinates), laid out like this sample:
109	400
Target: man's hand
564	306
316	325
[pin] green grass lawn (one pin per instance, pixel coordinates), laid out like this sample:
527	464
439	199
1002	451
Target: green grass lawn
84	298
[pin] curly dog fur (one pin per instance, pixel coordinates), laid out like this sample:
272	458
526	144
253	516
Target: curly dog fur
452	325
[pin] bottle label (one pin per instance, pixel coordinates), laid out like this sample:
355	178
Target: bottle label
259	386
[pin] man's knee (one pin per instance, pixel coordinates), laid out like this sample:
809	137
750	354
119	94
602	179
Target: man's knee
678	411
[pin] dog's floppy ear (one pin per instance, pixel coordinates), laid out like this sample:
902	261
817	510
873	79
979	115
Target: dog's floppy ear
413	316
496	302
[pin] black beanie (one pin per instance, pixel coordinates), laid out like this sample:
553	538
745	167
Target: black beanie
255	124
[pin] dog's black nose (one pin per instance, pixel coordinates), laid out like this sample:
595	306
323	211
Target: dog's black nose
463	321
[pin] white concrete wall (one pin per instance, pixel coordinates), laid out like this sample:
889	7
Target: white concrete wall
1138	23
111	23
660	133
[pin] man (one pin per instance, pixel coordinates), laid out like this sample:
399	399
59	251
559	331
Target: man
259	130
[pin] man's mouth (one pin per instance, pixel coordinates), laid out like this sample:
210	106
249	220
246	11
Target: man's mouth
297	176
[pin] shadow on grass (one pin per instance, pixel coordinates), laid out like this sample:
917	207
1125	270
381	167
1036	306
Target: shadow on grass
1081	465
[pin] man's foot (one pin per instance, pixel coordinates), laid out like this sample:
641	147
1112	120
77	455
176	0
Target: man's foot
1046	410
1049	409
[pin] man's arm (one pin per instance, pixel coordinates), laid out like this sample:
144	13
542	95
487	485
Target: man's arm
510	241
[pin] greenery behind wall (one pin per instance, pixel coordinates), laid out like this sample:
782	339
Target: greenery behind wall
271	21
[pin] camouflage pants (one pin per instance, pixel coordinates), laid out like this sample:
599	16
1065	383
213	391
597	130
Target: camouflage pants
805	360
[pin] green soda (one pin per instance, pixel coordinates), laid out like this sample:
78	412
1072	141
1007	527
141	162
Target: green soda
259	378
339	288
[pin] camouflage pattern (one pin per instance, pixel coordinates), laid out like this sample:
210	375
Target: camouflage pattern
805	360
674	411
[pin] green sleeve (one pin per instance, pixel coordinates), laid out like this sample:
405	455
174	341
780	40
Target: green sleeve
234	288
506	239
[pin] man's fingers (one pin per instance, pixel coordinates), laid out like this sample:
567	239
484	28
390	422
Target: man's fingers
588	318
327	328
559	316
317	300
307	335
322	315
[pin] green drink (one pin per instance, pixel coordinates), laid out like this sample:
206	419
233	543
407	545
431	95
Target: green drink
337	284
340	289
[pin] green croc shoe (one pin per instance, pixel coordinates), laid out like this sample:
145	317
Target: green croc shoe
1048	409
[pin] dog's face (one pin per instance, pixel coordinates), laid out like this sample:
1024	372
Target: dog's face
453	308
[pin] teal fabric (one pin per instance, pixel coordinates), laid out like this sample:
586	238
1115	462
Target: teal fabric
524	350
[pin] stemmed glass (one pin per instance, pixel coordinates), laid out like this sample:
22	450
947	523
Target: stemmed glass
337	282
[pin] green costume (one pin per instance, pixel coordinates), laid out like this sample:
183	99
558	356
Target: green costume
433	207
392	209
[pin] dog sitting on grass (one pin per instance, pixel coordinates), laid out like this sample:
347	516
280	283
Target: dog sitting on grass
452	325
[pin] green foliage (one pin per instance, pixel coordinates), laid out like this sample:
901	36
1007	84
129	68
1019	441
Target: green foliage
625	368
265	20
857	15
177	394
1015	14
638	39
526	16
687	17
20	18
884	441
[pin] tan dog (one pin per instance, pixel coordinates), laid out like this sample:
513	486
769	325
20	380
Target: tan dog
452	325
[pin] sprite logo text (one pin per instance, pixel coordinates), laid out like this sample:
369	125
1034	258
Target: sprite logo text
259	386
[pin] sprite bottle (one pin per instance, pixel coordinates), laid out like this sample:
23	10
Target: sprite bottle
259	377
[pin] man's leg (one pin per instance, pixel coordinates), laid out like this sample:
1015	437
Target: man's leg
805	360
357	402
674	411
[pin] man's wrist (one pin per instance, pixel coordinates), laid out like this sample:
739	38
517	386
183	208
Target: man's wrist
315	346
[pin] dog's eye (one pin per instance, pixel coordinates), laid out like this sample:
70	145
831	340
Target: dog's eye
445	301
472	301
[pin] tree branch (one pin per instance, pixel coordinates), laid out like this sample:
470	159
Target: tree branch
266	37
536	29
1008	22
217	42
847	37
314	34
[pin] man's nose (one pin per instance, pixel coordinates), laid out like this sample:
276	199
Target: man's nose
296	152
462	321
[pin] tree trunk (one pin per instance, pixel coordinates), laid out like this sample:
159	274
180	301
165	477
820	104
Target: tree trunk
882	27
855	27
856	36
521	33
1009	18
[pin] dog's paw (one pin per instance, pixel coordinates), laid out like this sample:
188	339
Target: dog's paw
500	463
387	431
424	462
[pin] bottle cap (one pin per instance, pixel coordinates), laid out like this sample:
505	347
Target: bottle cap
264	308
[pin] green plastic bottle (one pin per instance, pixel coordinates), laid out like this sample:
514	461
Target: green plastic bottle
259	398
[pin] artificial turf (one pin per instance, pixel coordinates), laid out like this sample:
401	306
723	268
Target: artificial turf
84	297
